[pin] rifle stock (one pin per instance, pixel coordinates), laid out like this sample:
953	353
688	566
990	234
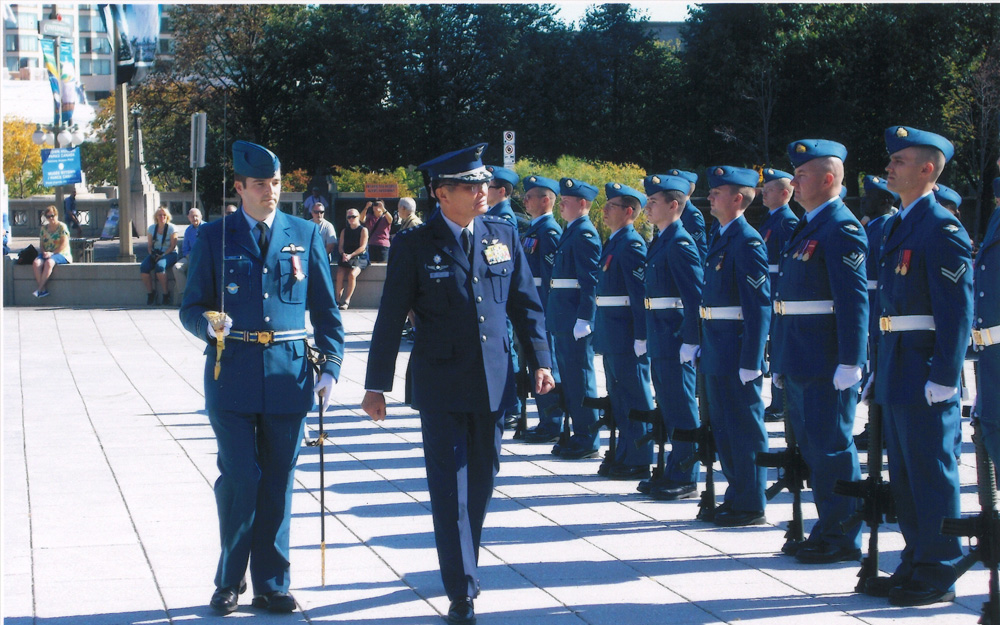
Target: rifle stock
792	475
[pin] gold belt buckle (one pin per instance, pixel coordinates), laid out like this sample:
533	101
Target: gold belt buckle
649	304
779	307
885	324
977	338
265	337
706	313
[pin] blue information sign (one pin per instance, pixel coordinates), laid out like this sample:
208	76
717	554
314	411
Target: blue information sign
61	166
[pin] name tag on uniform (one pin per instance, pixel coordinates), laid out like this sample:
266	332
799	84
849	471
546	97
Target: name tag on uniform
497	253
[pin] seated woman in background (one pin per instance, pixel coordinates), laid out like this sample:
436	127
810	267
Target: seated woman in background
161	241
353	245
53	239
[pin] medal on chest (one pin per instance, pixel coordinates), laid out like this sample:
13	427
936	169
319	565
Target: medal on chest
295	259
808	249
767	235
497	252
903	265
607	263
722	257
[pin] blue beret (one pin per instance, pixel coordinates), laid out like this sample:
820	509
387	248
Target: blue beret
718	176
254	161
661	182
947	194
463	165
577	188
533	181
901	137
690	176
996	187
617	189
874	182
776	174
504	174
805	150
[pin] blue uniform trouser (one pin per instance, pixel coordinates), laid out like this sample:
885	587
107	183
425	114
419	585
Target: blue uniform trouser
576	368
627	381
923	444
550	414
737	413
257	455
675	385
988	399
462	455
823	421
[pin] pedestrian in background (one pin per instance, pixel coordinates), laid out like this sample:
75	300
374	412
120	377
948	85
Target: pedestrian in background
161	242
53	239
187	243
377	222
353	258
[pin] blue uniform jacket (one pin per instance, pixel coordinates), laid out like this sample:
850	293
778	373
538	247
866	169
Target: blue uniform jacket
736	275
824	260
576	259
622	273
461	357
263	294
503	210
776	230
673	269
694	222
924	269
540	243
875	230
987	306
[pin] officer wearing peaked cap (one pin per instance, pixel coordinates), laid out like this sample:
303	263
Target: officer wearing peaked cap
819	341
272	268
736	314
461	273
925	303
986	330
620	330
692	218
540	242
570	310
674	278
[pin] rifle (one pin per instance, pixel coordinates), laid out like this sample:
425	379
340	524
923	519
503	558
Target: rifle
984	527
607	419
523	382
704	452
792	475
875	496
657	434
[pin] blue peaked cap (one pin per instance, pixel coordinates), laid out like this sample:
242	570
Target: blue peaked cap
739	176
254	161
577	188
805	150
465	165
617	189
662	182
504	174
776	174
901	137
947	194
532	181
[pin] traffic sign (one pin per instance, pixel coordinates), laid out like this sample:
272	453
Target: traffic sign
54	28
508	148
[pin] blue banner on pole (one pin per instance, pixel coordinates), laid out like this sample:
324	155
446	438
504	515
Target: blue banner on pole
61	166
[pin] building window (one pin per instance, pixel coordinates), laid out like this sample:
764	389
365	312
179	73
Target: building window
28	21
85	45
165	46
85	67
28	43
85	23
10	43
165	24
32	62
11	63
102	67
98	25
101	45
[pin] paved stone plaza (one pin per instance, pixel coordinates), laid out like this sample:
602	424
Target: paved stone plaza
109	516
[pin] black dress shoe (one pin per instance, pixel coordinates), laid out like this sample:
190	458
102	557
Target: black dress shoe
677	490
654	481
914	593
275	601
824	553
791	547
881	586
578	452
509	422
226	600
461	612
629	472
773	416
539	435
739	518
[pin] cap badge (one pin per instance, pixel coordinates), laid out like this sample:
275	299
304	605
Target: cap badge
617	186
770	172
656	180
719	171
800	148
531	179
875	179
569	183
902	132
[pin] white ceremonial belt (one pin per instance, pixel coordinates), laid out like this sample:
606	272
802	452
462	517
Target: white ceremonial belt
266	337
732	313
984	337
906	323
663	303
816	307
772	269
564	283
612	300
538	282
872	285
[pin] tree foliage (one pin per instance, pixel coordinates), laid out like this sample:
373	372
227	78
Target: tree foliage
22	159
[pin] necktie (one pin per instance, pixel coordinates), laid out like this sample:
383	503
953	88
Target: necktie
892	226
262	238
799	227
467	243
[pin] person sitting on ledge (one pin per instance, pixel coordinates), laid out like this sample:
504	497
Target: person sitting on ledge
53	238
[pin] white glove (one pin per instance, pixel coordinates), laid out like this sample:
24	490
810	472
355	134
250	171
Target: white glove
689	352
868	392
227	325
777	380
935	393
581	329
640	347
749	375
846	376
324	389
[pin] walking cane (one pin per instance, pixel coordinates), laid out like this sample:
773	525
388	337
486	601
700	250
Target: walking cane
316	359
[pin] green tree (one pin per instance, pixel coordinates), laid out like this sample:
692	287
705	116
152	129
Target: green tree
22	159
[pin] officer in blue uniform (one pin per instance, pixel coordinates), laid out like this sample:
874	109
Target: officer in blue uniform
674	277
569	314
925	302
263	269
986	330
736	314
692	219
540	242
620	329
818	342
461	273
775	230
949	199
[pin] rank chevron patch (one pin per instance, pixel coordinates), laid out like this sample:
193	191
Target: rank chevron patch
954	275
854	260
758	282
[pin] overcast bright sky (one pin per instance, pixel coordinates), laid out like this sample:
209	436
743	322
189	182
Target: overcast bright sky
663	11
